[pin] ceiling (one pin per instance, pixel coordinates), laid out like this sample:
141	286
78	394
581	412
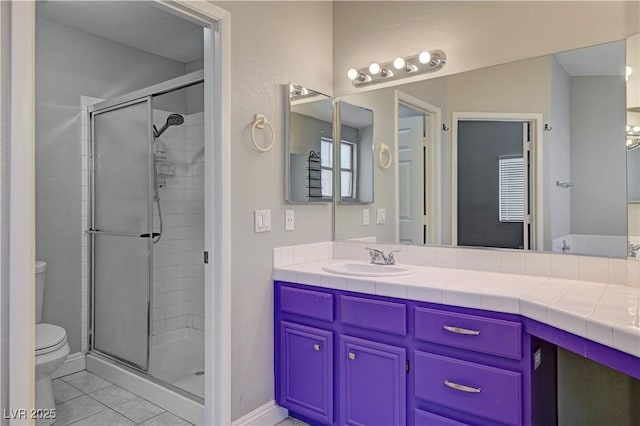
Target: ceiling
138	24
603	59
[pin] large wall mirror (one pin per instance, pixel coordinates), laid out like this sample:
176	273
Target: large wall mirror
532	156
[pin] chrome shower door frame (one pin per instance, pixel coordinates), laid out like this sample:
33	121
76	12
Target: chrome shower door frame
97	109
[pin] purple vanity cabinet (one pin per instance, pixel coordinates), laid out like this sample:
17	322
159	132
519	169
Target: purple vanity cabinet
345	358
307	371
372	383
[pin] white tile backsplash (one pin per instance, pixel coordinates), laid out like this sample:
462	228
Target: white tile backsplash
446	257
512	262
537	264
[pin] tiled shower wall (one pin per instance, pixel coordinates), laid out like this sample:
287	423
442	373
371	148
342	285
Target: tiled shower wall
178	269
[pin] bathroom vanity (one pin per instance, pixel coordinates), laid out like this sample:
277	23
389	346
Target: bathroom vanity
379	351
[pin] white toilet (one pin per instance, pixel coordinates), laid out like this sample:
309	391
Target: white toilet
51	350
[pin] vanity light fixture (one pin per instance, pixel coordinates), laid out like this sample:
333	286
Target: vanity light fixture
633	136
357	76
422	63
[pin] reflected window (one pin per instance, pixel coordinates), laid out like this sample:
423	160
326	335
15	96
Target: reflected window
347	167
511	189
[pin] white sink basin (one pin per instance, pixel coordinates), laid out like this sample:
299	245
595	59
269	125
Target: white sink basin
363	269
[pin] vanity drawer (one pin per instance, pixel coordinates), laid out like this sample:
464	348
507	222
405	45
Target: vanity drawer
379	315
424	418
480	334
484	391
308	303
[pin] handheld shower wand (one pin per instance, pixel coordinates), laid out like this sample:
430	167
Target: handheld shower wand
172	120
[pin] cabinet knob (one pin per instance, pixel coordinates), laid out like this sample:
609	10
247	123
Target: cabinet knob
352	355
316	347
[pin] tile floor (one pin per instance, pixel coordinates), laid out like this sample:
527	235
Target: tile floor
290	421
84	399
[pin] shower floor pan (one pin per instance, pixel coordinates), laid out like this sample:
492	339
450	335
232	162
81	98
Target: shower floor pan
177	357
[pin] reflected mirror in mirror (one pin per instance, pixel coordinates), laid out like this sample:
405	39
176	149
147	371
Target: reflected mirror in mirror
355	154
308	146
533	157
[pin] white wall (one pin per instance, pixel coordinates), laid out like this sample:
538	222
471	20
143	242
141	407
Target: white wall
472	34
70	63
272	43
598	120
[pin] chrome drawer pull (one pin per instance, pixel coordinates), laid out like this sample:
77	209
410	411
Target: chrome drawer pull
316	347
462	388
459	330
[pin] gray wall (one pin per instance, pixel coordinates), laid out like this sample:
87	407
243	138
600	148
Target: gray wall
272	43
4	206
69	64
558	207
598	119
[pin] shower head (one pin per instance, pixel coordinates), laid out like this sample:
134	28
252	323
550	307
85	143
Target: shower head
172	120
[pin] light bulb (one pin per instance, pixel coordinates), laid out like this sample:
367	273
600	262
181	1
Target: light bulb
399	63
627	129
374	68
424	57
629	142
353	74
636	129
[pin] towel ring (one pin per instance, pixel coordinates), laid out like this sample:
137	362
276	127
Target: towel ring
259	123
384	148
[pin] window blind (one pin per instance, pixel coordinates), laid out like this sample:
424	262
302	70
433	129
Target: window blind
511	189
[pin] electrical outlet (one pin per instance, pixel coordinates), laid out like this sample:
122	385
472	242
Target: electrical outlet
289	220
365	216
262	220
381	216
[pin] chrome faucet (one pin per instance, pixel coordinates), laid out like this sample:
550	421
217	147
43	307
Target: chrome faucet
378	257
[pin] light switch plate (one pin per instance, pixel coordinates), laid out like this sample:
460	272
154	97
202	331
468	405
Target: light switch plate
289	220
262	219
365	216
381	216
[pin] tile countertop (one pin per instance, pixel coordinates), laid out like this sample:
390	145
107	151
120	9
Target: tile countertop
604	313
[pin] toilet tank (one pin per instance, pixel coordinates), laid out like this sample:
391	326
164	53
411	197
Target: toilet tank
41	267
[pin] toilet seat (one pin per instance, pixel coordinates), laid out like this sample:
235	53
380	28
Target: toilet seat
49	338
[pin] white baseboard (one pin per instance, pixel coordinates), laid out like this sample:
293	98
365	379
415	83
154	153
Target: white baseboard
269	414
75	362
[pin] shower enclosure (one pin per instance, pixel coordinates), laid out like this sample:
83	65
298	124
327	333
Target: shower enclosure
147	232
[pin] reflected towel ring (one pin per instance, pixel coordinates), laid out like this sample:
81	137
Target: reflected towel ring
259	123
384	148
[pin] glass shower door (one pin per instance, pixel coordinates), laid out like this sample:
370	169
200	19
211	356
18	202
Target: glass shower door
122	228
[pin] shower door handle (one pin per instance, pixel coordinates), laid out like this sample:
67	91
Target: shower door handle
153	235
121	234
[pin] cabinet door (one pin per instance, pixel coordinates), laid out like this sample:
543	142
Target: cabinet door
306	371
372	383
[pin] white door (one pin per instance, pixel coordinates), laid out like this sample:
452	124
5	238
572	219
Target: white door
411	179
